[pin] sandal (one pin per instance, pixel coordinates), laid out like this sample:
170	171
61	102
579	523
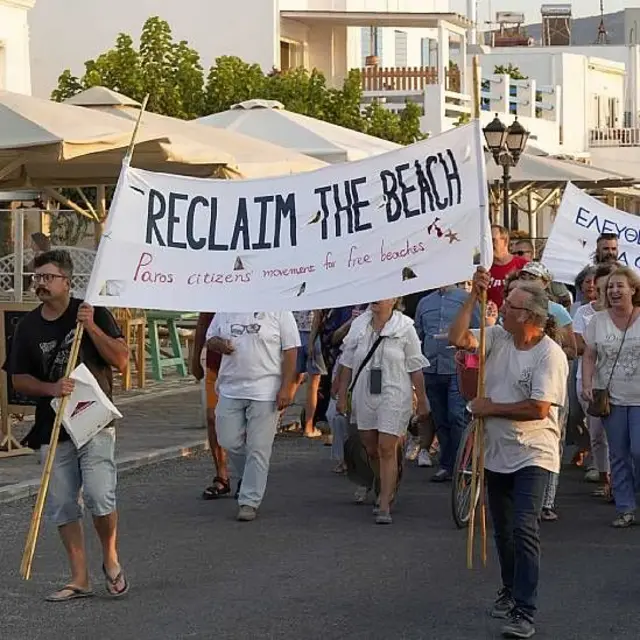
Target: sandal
112	583
74	594
623	521
218	489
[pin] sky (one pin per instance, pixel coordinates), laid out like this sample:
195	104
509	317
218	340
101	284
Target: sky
531	8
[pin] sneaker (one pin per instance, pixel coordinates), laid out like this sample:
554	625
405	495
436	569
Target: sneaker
623	521
246	513
384	517
518	626
503	605
424	459
549	515
593	475
442	475
412	449
361	495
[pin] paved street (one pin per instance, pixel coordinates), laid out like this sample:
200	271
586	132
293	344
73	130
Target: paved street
314	566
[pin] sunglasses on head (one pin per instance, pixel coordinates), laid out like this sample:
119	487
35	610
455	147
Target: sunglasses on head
521	252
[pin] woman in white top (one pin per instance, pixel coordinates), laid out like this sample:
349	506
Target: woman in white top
612	361
597	435
382	401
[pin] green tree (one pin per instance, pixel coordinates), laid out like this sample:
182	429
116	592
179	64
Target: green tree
169	72
230	81
172	74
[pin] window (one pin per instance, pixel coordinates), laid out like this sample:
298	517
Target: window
429	52
401	49
371	43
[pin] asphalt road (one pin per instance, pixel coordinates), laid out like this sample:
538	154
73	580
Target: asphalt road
314	566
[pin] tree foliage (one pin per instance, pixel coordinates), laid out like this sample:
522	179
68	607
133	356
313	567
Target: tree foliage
509	70
172	75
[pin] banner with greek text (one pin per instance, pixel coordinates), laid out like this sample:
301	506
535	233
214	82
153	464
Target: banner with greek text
580	220
399	223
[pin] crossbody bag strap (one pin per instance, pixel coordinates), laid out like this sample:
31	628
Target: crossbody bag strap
615	362
363	364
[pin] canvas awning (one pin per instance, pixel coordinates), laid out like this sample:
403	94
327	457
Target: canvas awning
547	172
268	120
251	157
44	143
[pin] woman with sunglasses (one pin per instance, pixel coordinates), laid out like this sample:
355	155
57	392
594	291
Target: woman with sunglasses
256	381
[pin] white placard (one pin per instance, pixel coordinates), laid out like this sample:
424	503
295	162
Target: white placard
580	220
88	410
399	223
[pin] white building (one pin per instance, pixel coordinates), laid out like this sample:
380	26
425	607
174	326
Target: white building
593	88
331	35
15	73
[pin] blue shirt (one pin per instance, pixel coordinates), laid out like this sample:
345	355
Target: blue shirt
562	316
434	315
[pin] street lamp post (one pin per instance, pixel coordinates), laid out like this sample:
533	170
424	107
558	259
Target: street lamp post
506	145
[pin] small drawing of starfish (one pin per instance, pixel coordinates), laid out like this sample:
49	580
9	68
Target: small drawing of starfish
453	237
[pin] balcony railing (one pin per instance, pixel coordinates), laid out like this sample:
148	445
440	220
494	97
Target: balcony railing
377	6
406	78
614	137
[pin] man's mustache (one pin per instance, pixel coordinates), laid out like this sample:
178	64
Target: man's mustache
40	290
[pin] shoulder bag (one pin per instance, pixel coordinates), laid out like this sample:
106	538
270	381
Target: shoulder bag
600	405
363	364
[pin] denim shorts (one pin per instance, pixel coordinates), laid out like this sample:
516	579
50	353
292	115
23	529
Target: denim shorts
82	476
310	361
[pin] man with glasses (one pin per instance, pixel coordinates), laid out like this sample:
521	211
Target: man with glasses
504	263
525	383
524	249
256	381
37	363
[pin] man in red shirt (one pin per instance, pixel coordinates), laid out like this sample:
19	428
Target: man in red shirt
503	264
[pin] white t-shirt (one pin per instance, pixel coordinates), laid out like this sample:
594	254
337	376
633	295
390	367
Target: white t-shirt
514	376
581	321
254	370
603	335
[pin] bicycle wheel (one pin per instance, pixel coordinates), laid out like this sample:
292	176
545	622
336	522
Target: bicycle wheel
461	481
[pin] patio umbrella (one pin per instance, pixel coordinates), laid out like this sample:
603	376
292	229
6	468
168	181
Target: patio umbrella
553	172
252	158
269	120
43	143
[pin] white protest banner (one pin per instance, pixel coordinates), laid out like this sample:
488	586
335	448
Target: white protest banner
388	226
579	221
88	409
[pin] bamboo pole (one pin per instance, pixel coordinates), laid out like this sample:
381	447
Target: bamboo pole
477	461
36	516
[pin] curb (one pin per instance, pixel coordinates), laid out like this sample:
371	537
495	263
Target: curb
152	395
126	464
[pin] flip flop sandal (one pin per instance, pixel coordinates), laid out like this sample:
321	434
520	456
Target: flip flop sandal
74	594
219	489
112	582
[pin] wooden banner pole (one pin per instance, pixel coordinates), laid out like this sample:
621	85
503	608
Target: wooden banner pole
36	516
477	464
